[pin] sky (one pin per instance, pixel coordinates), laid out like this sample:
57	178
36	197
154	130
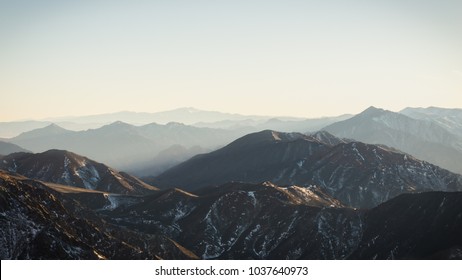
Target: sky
291	57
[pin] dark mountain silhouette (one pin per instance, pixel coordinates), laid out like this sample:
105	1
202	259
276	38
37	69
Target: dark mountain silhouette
359	175
66	168
413	226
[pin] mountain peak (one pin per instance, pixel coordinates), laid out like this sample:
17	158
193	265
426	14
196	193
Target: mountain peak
175	124
267	136
52	129
119	123
53	126
373	111
328	138
60	153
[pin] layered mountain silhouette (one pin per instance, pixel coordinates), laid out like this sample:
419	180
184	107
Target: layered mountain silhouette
188	116
122	145
12	129
279	124
423	139
358	174
9	148
66	168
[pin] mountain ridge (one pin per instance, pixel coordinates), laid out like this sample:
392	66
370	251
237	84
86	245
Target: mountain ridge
421	138
358	174
67	168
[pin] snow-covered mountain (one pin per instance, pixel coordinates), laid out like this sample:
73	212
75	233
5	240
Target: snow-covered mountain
451	119
232	221
266	195
66	168
266	221
423	139
37	222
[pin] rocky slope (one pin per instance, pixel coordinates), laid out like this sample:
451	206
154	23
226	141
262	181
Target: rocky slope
232	221
358	174
451	119
266	221
66	168
424	139
39	223
413	226
245	221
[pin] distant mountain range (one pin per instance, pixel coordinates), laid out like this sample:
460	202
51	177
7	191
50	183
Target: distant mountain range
9	148
181	115
424	139
122	145
279	124
188	116
142	150
451	119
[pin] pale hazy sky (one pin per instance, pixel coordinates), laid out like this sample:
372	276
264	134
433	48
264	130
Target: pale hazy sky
288	57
